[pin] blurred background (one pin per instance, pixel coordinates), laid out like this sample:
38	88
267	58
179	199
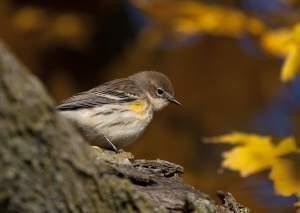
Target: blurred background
219	54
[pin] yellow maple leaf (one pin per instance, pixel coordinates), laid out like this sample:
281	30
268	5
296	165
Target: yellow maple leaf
286	146
192	17
251	158
196	17
285	42
253	153
278	42
238	138
285	176
292	63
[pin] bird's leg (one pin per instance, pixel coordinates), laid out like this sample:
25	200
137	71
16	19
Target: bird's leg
111	144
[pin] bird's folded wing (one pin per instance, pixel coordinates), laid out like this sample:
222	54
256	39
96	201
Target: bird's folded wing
116	91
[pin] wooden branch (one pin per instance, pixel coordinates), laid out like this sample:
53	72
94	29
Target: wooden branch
46	166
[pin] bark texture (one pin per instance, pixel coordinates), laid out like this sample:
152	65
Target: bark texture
46	166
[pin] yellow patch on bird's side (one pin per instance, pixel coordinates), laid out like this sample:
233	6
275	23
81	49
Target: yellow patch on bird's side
138	106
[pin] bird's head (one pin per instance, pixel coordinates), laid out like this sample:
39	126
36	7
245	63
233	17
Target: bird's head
158	88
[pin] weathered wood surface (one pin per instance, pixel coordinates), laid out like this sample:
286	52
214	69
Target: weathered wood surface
46	166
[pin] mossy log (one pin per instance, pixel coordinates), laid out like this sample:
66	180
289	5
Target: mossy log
46	166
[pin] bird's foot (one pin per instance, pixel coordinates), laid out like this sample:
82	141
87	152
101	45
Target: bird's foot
115	149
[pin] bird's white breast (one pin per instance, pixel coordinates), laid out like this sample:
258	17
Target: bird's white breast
118	123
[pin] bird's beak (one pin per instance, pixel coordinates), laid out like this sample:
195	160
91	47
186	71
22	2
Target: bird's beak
175	101
172	99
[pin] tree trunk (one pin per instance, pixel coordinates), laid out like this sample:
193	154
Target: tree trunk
46	166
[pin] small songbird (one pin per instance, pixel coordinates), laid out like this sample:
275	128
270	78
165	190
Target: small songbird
117	112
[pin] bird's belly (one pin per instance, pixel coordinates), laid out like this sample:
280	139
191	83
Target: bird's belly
121	128
126	133
126	128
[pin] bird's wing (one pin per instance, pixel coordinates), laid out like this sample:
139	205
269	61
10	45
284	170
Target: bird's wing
116	91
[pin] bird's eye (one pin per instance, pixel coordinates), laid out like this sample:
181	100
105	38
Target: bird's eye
160	91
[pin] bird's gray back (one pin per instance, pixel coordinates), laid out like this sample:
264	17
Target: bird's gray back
117	91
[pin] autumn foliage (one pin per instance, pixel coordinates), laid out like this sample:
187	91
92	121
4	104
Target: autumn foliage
250	153
254	153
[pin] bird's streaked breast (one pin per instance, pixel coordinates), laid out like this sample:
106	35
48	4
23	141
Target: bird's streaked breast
121	123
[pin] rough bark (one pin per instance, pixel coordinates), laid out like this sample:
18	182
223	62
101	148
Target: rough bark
46	166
